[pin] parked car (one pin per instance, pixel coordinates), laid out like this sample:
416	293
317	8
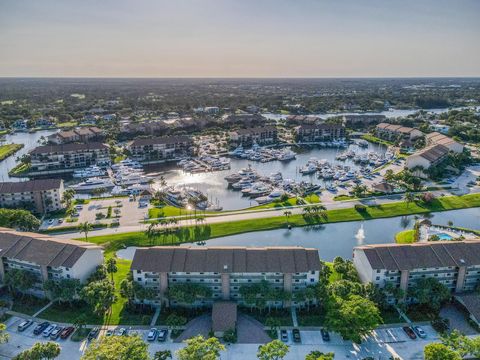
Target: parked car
93	333
48	330
24	325
411	334
56	333
284	335
121	332
296	335
325	335
420	332
109	332
40	327
67	332
152	334
162	334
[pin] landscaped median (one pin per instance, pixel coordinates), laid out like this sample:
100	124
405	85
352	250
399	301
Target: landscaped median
114	242
405	237
9	150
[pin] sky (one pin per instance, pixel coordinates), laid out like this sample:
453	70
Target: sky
239	38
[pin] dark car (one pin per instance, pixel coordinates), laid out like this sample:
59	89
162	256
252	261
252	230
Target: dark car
162	334
67	332
40	327
284	335
93	333
409	331
325	335
296	335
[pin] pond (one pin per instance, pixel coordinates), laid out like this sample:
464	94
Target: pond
339	239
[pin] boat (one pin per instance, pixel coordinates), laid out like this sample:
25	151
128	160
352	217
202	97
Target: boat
92	171
287	155
133	179
308	169
92	184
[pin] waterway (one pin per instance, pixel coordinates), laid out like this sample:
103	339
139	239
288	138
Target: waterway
214	185
30	141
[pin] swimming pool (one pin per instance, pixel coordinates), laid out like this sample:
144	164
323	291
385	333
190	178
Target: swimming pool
443	236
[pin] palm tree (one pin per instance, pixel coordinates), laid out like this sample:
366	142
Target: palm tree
307	210
409	197
85	228
151	232
111	266
287	214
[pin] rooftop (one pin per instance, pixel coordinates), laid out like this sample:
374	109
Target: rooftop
226	259
433	153
68	147
41	249
224	316
160	140
29	186
422	255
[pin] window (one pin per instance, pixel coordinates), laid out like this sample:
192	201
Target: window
377	278
139	279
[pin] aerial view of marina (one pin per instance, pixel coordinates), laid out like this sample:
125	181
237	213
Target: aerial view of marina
233	180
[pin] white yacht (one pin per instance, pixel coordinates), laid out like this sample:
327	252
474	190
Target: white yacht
92	184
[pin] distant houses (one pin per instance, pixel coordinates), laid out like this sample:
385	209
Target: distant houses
320	132
262	135
159	149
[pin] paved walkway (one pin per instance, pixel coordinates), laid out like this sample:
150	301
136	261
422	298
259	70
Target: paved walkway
294	316
155	317
43	309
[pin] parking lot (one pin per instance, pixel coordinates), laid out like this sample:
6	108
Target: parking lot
381	344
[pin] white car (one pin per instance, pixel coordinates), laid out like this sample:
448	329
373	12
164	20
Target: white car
152	334
49	330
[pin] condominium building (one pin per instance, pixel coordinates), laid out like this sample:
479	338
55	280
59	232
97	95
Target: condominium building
456	264
393	132
46	257
363	119
83	134
42	196
435	138
320	132
68	157
224	269
426	158
160	148
261	135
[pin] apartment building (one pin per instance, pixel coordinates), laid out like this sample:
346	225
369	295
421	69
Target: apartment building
68	157
456	264
46	257
426	158
83	134
261	135
320	132
225	269
160	148
435	138
43	195
393	132
363	119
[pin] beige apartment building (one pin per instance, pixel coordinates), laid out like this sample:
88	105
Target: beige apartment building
456	264
320	132
40	195
435	138
225	269
263	135
392	132
46	257
160	148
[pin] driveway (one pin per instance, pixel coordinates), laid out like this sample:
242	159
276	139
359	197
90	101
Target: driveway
250	331
458	319
199	326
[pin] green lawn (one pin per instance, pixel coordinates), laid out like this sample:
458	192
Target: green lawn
312	198
28	305
118	308
405	237
9	150
114	242
19	169
315	316
334	276
276	205
391	316
68	314
376	140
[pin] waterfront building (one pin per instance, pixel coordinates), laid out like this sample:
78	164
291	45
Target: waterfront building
435	138
261	135
42	196
320	132
83	134
68	157
158	149
363	119
455	264
393	132
224	270
426	158
46	257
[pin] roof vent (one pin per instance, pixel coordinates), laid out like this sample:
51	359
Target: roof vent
462	261
225	267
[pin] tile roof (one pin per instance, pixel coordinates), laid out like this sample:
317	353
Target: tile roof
254	130
471	303
224	316
433	153
161	140
41	249
29	186
422	255
226	259
68	147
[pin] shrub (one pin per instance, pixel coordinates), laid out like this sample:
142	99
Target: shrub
360	208
230	336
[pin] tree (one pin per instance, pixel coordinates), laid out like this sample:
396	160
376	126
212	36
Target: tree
274	350
409	198
111	266
174	321
100	295
19	280
461	344
199	348
85	228
18	219
352	317
318	355
40	351
67	198
437	351
63	290
359	190
287	214
4	336
162	355
117	348
389	175
429	292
